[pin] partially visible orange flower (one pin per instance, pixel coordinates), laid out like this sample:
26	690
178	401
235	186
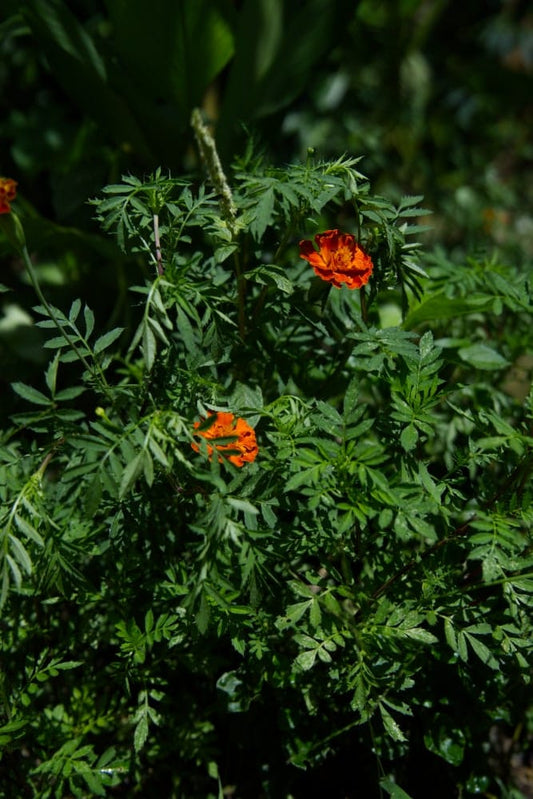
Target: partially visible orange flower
339	259
242	443
8	192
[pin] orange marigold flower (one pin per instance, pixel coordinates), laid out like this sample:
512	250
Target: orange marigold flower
242	444
339	259
8	192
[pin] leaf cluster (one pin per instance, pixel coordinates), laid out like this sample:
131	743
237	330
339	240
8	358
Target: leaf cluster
370	566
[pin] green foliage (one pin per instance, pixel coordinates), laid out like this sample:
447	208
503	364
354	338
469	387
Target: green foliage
362	584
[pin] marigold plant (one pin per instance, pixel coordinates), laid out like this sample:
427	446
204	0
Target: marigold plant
175	626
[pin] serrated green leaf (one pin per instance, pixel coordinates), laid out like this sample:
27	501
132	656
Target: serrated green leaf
75	309
20	553
15	571
56	342
69	393
409	437
107	339
315	613
148	467
30	394
202	617
419	634
295	612
149	345
89	321
306	660
28	529
141	733
93	495
242	505
158	453
391	726
130	474
482	651
51	374
461	646
449	632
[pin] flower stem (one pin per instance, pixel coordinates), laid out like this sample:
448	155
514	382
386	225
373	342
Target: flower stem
209	155
51	313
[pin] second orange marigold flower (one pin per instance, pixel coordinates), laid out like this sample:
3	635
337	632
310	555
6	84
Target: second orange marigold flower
243	445
339	259
8	192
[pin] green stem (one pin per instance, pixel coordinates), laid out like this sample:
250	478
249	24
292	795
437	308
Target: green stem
158	257
211	160
209	155
69	341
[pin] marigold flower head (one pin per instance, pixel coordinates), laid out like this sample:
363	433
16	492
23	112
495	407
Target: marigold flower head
8	192
242	444
339	259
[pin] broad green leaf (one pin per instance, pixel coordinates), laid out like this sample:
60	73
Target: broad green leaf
185	43
273	60
483	357
439	307
77	65
306	660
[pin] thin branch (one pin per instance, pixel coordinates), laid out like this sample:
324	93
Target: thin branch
158	257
